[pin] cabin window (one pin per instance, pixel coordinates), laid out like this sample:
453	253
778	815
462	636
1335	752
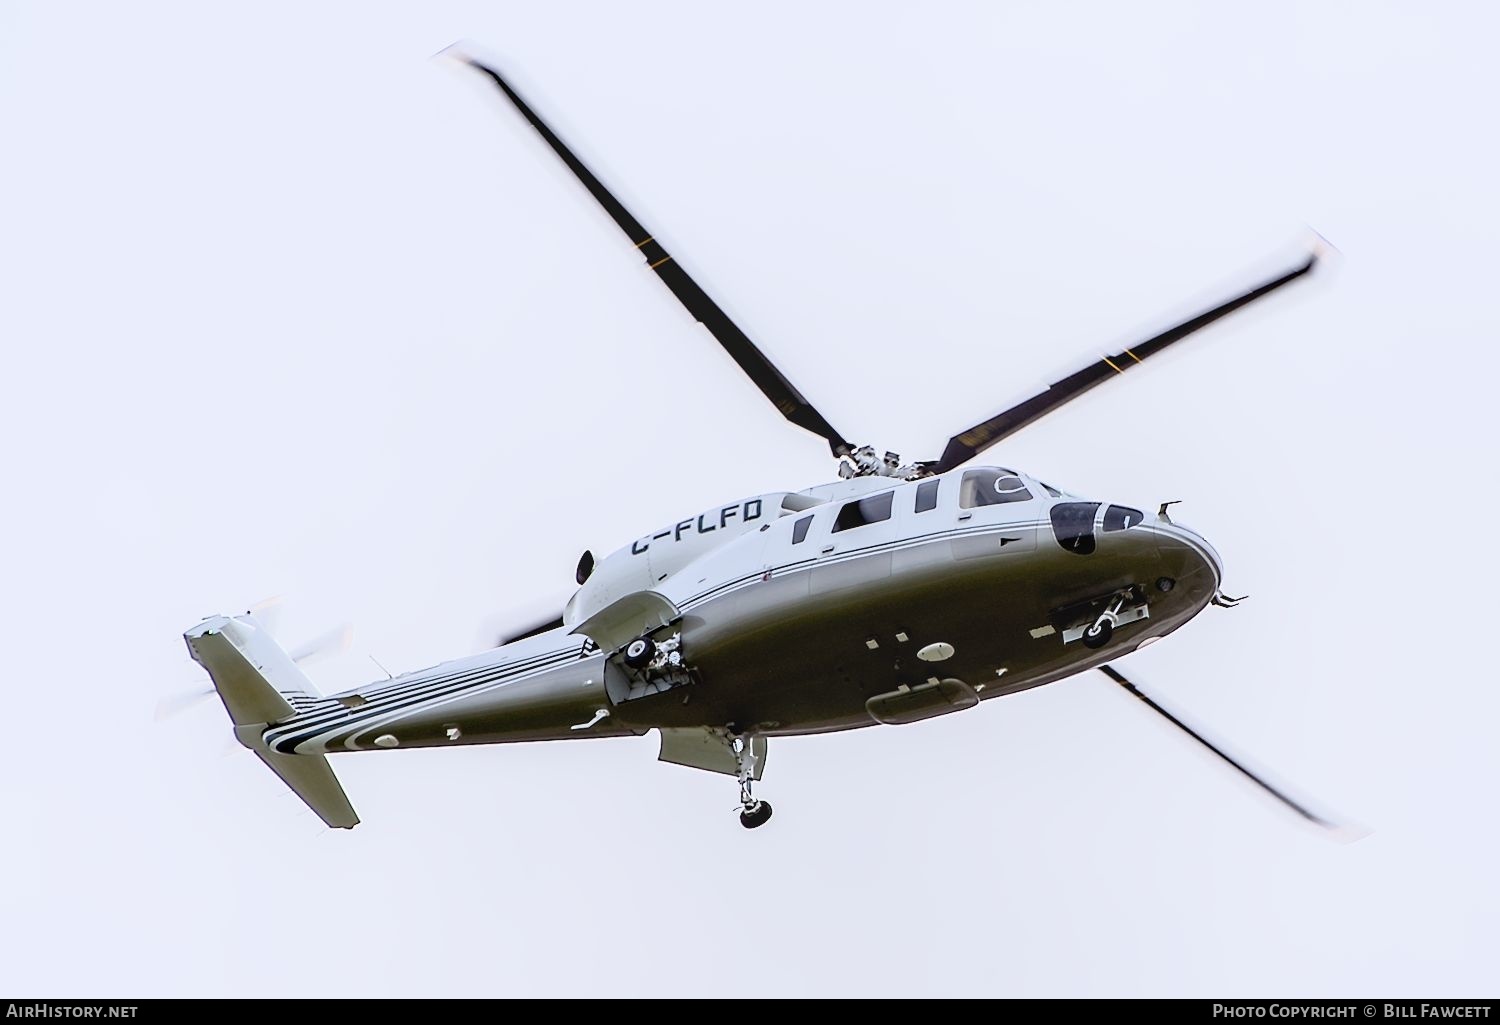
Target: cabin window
991	487
927	495
799	530
1121	517
1050	489
864	511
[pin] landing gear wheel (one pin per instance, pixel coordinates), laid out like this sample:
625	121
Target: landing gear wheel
1097	636
639	652
755	814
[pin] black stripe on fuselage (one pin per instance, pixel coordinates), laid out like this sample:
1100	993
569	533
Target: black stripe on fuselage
361	721
302	728
394	693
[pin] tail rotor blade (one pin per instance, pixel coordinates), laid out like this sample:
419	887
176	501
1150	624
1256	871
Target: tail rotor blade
1115	675
267	612
334	642
174	705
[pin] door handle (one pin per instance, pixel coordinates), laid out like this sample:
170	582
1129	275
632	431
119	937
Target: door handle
826	549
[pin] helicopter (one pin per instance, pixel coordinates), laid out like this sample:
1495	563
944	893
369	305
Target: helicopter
898	592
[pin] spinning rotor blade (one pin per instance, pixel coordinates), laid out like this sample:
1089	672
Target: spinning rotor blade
175	704
1114	674
530	631
782	393
267	612
334	642
963	447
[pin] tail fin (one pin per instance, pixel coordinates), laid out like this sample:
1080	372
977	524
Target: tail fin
260	684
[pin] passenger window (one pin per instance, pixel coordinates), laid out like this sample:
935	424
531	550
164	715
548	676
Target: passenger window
864	511
927	495
991	487
799	529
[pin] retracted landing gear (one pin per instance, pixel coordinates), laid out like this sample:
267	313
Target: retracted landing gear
1099	633
639	653
753	813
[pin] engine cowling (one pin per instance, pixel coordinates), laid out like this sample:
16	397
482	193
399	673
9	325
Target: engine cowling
652	559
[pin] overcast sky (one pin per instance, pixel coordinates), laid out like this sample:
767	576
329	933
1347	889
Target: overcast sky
289	306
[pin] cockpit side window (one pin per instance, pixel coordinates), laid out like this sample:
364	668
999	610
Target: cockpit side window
864	511
1073	526
1121	517
991	486
927	493
799	530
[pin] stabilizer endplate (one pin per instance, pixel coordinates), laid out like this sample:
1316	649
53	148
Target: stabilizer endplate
310	777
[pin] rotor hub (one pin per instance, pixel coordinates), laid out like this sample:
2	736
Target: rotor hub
863	462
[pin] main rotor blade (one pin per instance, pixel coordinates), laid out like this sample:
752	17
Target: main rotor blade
528	631
772	383
1115	675
963	447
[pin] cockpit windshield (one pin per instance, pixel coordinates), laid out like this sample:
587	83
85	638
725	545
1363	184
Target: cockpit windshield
992	485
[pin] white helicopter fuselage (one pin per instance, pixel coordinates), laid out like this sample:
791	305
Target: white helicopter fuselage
850	604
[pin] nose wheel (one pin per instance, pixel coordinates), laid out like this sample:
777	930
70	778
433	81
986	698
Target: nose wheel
1100	631
1098	635
753	813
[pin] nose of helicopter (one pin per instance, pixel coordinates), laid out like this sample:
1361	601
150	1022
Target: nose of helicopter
1177	555
1190	555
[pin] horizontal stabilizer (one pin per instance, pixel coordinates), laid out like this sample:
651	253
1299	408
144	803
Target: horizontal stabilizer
311	778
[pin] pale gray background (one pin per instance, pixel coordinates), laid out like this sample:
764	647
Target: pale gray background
290	307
